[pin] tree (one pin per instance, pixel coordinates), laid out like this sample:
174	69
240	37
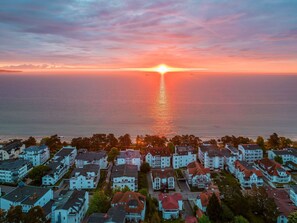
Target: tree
125	141
2	216
112	154
204	219
227	214
214	208
37	173
155	218
278	159
285	142
118	189
31	141
145	167
273	141
36	215
99	203
171	147
154	140
240	219
53	142
15	214
143	191
292	218
261	142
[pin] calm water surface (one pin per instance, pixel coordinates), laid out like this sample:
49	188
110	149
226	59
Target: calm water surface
139	103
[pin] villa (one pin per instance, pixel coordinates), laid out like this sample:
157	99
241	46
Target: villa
293	194
183	156
203	199
288	155
11	150
163	179
170	205
129	156
125	175
14	170
84	158
37	155
197	175
158	157
85	178
250	152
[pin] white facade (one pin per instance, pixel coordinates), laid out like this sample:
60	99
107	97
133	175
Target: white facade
293	194
11	150
163	179
125	176
183	156
197	175
27	197
13	171
85	178
157	161
287	155
250	152
70	207
85	158
37	155
125	181
129	156
211	157
170	205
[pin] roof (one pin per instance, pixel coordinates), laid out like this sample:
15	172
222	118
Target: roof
127	170
86	169
114	214
133	202
65	151
247	168
35	148
294	188
13	164
26	194
196	168
191	219
251	146
170	201
206	195
285	151
156	151
162	173
231	148
183	150
15	144
90	156
71	199
271	167
129	153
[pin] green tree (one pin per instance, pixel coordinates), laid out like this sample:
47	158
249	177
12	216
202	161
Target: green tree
118	189
284	142
292	218
53	142
15	215
113	153
227	214
36	215
155	218
214	208
99	203
145	167
154	140
37	173
143	191
171	147
31	141
278	159
261	142
240	219
273	141
125	141
204	219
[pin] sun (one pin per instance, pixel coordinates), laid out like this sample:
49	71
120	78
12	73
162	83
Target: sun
162	69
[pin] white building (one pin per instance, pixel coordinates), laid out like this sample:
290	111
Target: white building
37	155
163	179
293	194
14	170
70	207
85	178
246	174
273	171
250	152
59	165
158	157
84	158
197	175
183	156
125	176
27	197
133	203
170	205
11	150
288	155
211	157
129	156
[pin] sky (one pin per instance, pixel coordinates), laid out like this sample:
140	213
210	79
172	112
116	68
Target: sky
218	35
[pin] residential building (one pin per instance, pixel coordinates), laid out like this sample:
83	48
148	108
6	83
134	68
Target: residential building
129	156
203	199
125	175
27	197
59	165
11	150
85	178
158	157
170	205
163	179
250	152
273	171
211	157
14	170
37	155
197	175
133	203
288	155
293	194
234	152
246	174
183	156
70	207
115	214
84	158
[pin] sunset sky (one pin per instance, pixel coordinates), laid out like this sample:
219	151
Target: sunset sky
220	36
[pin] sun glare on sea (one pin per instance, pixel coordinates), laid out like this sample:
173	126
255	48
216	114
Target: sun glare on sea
162	69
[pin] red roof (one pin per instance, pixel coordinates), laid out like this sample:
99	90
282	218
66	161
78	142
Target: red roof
133	202
191	219
170	202
162	173
205	196
246	169
270	166
156	151
196	168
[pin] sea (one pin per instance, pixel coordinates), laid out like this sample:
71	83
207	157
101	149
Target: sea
138	103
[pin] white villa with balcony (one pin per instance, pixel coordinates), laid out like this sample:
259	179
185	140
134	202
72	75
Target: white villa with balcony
37	155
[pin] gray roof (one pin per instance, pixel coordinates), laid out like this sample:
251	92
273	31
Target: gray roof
129	154
90	156
231	148
251	146
182	150
286	151
86	169
26	194
16	144
294	188
35	148
246	165
124	170
13	164
114	215
71	199
65	151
